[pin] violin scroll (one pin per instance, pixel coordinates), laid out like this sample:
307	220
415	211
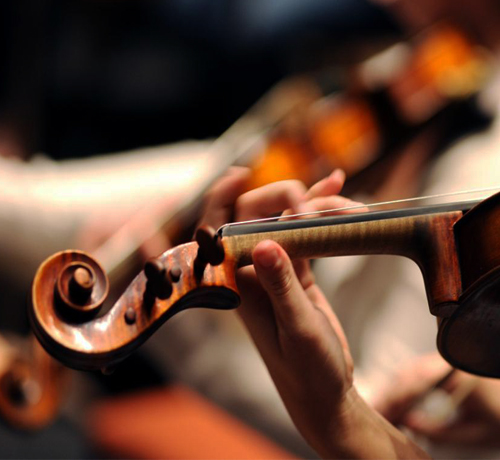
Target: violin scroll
70	288
81	286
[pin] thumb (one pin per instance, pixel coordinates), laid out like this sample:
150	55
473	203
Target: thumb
275	271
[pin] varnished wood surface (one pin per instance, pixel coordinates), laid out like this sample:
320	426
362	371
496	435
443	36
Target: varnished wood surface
470	338
88	342
31	390
428	240
464	297
478	240
93	343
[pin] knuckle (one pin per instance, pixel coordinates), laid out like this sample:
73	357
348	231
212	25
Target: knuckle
282	285
298	185
242	207
294	189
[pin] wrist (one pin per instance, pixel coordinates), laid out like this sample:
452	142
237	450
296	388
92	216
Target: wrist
357	431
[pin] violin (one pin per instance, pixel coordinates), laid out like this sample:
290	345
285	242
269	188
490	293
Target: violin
385	102
296	132
455	245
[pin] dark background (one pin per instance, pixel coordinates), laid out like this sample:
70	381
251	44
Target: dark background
84	77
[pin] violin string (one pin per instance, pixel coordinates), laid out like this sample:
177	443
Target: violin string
361	206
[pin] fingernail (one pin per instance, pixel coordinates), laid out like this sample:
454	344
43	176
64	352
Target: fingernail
268	259
338	173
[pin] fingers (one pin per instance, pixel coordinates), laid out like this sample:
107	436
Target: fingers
155	245
226	196
419	422
458	431
271	199
471	433
256	312
275	272
221	198
410	385
332	202
304	273
306	336
331	185
324	196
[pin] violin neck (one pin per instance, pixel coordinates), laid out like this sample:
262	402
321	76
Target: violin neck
240	228
425	238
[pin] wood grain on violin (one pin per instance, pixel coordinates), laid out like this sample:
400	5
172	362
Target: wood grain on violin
82	340
443	240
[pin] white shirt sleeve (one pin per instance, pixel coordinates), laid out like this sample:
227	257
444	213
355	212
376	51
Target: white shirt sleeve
44	204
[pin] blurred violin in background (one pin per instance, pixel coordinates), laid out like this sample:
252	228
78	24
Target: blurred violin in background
32	384
386	101
426	86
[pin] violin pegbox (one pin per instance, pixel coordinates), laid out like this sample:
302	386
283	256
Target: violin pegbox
70	288
192	275
210	249
164	271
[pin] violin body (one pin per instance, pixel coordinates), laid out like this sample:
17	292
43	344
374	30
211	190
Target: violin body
455	247
469	338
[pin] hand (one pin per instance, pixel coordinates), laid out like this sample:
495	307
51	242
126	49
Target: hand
477	417
226	201
296	331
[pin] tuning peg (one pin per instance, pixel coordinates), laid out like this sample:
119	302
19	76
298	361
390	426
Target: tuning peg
81	284
210	249
15	383
159	283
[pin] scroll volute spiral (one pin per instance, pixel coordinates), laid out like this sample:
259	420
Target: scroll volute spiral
81	285
70	288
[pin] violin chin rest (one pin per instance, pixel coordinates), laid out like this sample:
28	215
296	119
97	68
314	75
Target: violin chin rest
470	338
